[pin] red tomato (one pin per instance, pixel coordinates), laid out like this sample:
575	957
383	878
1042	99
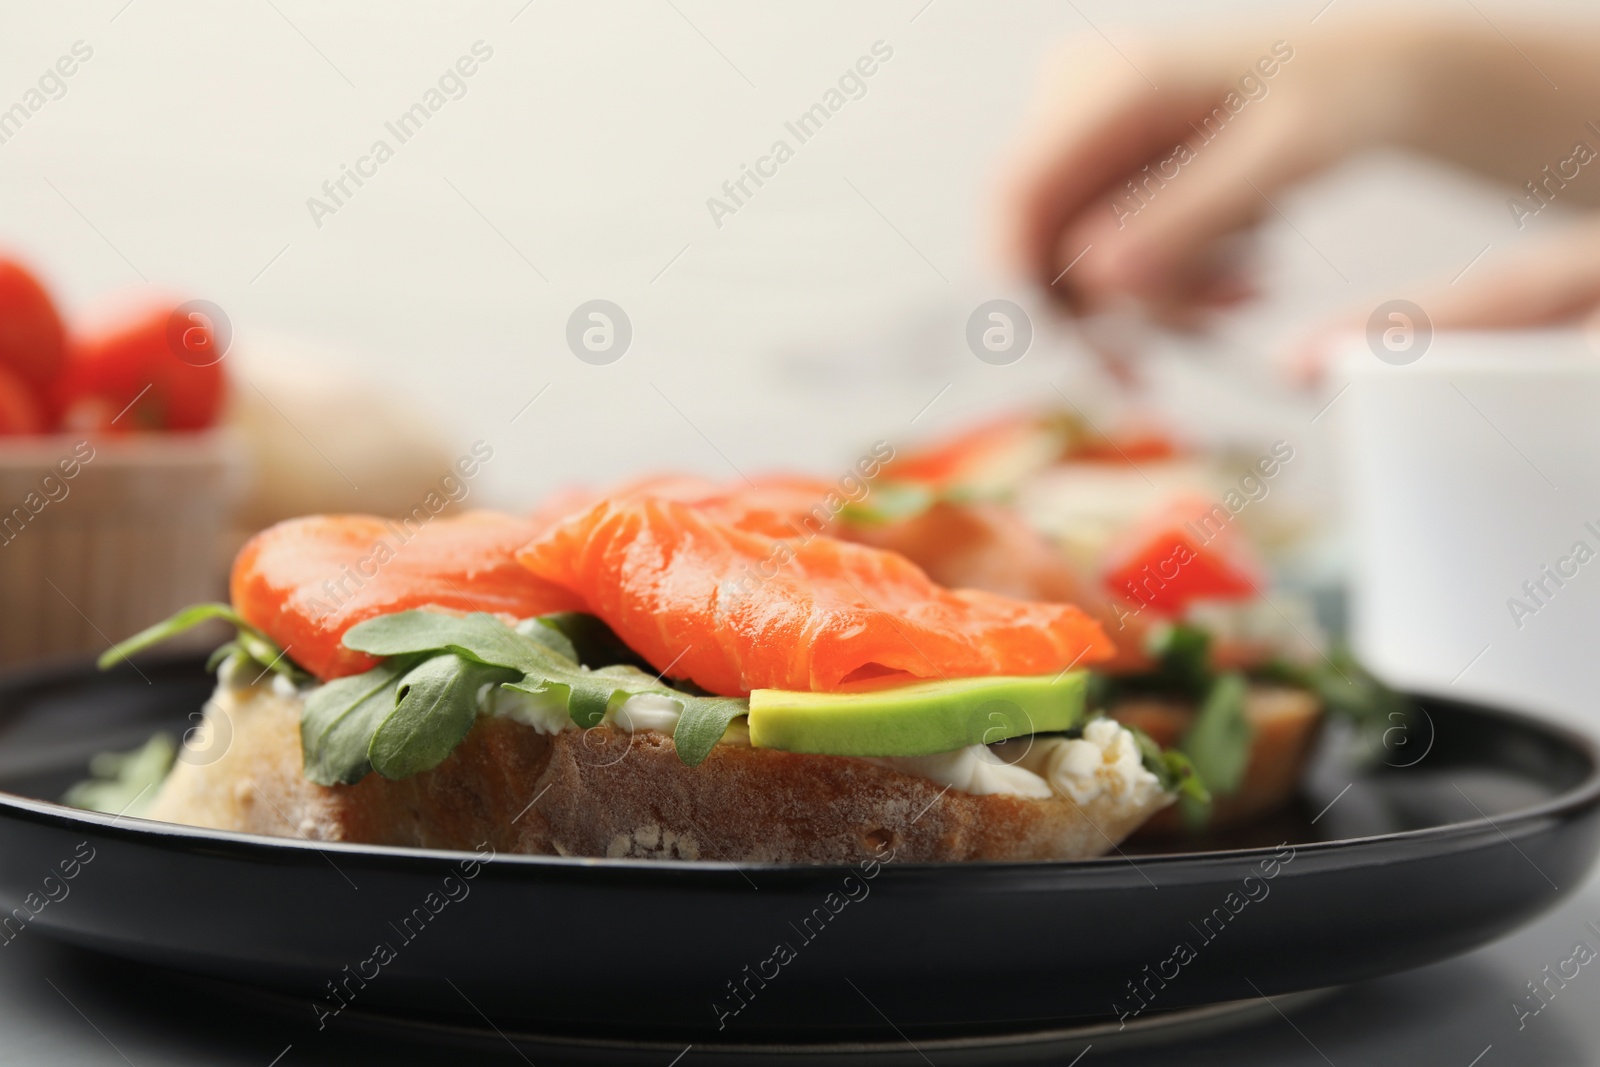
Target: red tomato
1129	445
33	343
146	376
993	455
1189	551
21	411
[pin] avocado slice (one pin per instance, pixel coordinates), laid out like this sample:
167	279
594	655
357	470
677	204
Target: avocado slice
917	719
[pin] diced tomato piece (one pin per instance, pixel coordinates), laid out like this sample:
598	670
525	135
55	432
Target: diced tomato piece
144	376
21	411
1130	444
993	455
945	461
1188	551
33	343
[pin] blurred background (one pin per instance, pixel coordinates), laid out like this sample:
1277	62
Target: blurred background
378	333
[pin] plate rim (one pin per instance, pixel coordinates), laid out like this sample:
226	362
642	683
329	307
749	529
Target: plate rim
1152	1025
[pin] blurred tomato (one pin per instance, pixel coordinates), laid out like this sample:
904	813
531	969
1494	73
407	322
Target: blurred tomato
155	374
33	343
21	411
989	459
1130	445
1189	550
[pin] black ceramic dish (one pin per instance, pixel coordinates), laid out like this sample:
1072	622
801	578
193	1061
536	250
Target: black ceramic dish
1482	820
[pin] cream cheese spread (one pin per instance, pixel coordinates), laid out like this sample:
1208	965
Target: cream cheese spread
1104	761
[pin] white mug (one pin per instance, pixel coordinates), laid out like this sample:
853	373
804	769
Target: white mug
1473	485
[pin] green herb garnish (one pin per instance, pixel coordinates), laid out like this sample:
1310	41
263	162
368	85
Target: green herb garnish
593	643
410	712
407	714
436	704
1216	749
1183	659
1218	742
1173	769
1349	691
890	502
341	717
1345	687
123	783
248	644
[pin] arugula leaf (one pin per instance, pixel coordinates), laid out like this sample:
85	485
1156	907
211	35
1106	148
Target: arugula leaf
1183	659
1174	770
1194	799
478	636
435	707
1346	688
123	783
400	726
1214	752
551	636
1100	692
702	720
487	640
1177	775
588	694
594	644
702	723
889	502
341	717
187	619
1195	812
221	653
1218	742
1181	775
249	642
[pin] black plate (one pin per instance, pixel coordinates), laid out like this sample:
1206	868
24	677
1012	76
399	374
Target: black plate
1481	820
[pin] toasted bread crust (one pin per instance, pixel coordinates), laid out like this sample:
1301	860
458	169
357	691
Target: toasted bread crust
604	792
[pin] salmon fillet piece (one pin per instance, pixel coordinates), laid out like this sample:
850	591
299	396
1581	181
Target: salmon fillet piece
734	610
306	581
776	506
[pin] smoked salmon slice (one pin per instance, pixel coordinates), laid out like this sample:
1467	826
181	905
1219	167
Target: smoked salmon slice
734	609
306	581
776	505
982	545
972	545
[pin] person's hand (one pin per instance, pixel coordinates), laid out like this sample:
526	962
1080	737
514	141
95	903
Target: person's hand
1555	281
1155	161
1140	172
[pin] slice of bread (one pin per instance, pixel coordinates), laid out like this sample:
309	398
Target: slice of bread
604	792
1285	721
